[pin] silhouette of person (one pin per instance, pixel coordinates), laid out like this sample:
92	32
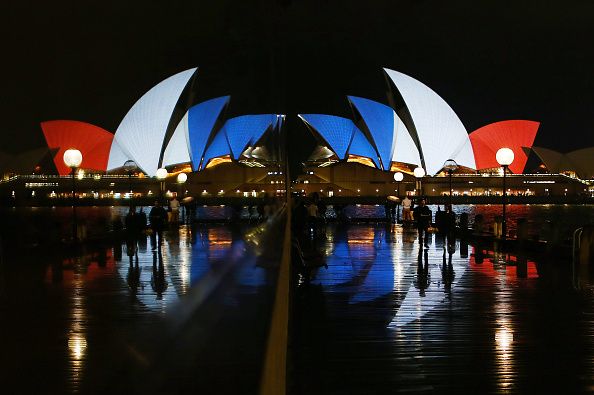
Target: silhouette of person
447	269
158	218
141	219
133	277
174	206
132	231
407	210
422	215
158	281
387	211
422	272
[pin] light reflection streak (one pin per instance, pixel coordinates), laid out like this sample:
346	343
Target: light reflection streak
420	301
185	261
185	256
77	342
504	338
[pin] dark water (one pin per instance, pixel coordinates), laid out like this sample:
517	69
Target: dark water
540	218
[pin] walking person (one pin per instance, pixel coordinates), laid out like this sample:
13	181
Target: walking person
133	229
158	219
174	205
422	215
407	210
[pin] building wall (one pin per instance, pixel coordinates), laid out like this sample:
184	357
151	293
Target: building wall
353	179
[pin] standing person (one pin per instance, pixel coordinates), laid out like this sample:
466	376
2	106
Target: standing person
132	223
132	232
393	208
168	210
422	215
406	210
312	211
174	204
449	221
387	211
158	218
141	219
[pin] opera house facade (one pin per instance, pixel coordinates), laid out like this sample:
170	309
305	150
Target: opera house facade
355	156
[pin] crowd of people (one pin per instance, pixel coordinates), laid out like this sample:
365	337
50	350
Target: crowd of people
159	218
421	216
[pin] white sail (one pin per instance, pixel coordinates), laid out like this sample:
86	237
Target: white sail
441	134
177	150
405	150
142	131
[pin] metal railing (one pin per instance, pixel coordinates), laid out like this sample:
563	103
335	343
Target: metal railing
575	250
583	257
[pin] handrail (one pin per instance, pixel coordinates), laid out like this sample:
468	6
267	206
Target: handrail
576	245
274	373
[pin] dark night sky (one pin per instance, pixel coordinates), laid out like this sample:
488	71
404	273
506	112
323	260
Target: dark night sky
490	60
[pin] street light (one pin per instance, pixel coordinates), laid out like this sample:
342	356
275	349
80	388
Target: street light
419	173
398	177
73	159
450	166
505	157
129	166
182	178
161	176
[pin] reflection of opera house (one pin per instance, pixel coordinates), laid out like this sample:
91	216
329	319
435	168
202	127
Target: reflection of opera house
240	156
359	156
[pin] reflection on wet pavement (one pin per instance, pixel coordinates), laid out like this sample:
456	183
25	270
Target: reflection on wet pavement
391	316
116	317
385	316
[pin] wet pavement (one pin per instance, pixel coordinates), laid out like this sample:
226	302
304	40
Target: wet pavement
171	318
388	316
385	316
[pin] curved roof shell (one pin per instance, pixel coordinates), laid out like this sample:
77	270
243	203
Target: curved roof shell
580	161
379	120
246	130
583	160
339	135
141	133
218	147
197	140
24	162
336	131
513	134
556	162
405	149
202	119
92	141
177	151
360	146
434	124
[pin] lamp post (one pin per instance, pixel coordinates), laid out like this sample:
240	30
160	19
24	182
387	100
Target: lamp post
161	176
181	180
129	166
505	157
450	166
73	159
419	173
398	177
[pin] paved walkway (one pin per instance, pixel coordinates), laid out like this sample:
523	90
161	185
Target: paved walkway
386	316
390	317
171	320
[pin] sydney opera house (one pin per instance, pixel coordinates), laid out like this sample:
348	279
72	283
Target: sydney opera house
241	156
